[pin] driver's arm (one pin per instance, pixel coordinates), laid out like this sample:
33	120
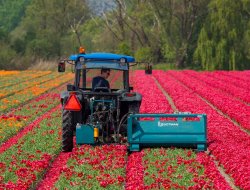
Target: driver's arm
108	84
94	83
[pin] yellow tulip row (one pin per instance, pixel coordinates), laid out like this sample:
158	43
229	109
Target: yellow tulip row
22	76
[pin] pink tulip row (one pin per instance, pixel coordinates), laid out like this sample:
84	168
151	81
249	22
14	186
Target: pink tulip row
232	107
223	85
227	142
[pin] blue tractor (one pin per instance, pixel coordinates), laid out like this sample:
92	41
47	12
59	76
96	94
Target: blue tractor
108	115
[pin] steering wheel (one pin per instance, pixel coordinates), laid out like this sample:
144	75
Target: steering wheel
102	89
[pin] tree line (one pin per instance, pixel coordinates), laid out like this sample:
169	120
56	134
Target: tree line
194	34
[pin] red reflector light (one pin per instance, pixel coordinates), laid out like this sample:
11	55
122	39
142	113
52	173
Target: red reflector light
130	94
73	104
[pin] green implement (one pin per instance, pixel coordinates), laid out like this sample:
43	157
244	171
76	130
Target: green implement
161	130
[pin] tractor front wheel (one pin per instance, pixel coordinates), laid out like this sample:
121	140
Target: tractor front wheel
67	131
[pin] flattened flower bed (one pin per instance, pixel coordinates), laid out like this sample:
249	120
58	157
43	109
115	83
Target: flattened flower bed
94	168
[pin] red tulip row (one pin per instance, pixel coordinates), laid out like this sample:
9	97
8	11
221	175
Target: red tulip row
88	167
224	85
34	108
53	174
135	171
153	100
103	166
25	157
181	169
227	142
142	172
232	107
212	173
241	75
18	118
227	79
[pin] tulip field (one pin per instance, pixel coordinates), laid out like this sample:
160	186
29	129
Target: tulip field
30	134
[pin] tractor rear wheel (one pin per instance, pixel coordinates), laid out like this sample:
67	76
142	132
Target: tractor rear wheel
67	131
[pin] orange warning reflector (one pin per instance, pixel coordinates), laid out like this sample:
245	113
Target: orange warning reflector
73	104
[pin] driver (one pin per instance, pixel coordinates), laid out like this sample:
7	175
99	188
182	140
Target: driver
100	81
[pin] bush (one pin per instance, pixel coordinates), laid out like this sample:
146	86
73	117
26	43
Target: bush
168	53
7	56
124	48
144	54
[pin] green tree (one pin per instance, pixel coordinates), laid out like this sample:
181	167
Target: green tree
180	24
6	56
220	44
46	25
11	13
123	48
144	54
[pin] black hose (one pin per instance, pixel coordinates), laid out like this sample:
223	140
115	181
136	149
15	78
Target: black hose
121	122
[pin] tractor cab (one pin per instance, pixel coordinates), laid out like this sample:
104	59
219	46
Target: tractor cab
85	63
112	115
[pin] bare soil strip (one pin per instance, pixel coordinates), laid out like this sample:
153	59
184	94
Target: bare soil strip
227	177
